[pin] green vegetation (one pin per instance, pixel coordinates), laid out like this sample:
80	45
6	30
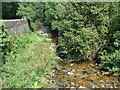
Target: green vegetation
9	10
29	63
87	31
26	11
4	42
110	58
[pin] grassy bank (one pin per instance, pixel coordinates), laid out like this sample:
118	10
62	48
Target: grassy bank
29	63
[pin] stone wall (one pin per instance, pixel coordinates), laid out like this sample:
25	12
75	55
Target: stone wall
16	26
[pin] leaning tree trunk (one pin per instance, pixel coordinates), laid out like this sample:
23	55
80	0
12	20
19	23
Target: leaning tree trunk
29	24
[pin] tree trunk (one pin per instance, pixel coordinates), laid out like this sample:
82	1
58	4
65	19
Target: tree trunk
29	24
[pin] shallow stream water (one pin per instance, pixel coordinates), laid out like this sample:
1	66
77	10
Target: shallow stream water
85	74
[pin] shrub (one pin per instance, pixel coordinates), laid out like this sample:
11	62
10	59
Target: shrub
82	29
110	61
4	42
85	28
110	58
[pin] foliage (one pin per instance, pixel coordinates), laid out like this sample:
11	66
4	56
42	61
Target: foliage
4	41
110	61
110	58
26	10
9	10
29	64
82	34
87	30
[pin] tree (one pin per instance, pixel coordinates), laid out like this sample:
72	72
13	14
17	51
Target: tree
110	58
84	27
26	10
9	10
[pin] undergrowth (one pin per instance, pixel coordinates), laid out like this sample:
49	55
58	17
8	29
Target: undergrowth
29	63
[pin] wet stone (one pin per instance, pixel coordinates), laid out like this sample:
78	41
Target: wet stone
95	86
103	86
105	73
101	81
73	70
71	65
70	73
52	81
82	76
81	87
72	84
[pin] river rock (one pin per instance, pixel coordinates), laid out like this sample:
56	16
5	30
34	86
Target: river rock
72	88
71	65
70	73
52	81
103	86
101	81
95	86
73	70
81	87
82	76
53	71
72	84
105	73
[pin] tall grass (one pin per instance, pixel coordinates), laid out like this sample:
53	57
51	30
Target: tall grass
30	62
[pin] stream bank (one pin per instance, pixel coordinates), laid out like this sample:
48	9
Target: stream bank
83	75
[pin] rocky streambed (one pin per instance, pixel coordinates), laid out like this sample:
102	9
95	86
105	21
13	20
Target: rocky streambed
83	75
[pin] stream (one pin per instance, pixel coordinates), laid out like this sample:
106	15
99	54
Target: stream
80	75
83	75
